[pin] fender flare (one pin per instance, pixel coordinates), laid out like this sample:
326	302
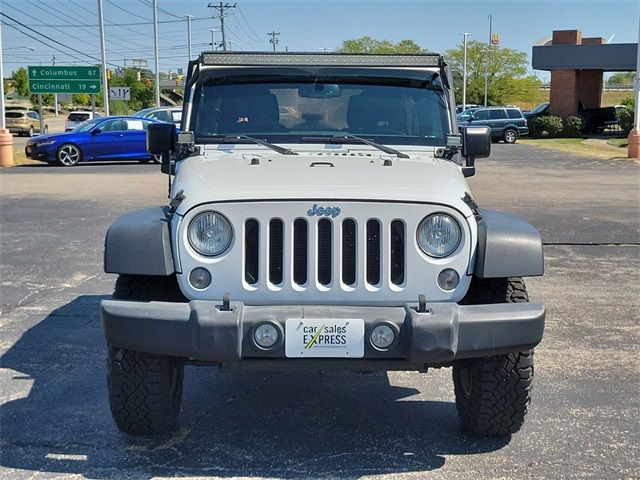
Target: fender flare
508	246
139	243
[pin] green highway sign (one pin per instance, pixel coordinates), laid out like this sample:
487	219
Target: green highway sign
64	73
61	79
64	86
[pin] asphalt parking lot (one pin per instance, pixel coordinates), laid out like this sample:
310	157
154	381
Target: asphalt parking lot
583	421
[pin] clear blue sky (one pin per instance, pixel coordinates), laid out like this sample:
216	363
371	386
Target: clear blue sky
309	25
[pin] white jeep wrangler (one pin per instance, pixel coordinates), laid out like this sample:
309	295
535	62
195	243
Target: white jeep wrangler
319	218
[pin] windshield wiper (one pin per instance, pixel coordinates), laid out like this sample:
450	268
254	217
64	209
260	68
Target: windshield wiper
232	138
348	136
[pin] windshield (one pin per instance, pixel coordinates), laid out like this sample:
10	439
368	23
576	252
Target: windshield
294	111
540	108
78	117
86	126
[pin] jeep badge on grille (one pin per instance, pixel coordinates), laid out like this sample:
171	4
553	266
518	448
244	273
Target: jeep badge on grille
332	212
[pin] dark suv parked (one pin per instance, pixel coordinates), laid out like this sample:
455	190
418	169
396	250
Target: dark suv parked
506	123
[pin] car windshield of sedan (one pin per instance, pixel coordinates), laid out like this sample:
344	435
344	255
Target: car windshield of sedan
88	125
301	110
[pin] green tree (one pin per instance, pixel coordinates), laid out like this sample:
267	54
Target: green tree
47	100
506	70
81	99
367	44
621	78
21	81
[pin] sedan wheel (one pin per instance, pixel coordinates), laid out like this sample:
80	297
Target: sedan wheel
46	130
31	131
69	155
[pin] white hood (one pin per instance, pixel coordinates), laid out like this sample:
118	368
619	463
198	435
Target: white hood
222	175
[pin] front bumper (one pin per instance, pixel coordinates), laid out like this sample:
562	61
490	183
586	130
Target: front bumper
200	330
36	153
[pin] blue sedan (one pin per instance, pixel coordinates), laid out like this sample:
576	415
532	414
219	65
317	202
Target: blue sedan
104	138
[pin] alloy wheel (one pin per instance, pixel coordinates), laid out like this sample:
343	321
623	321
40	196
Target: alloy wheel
69	155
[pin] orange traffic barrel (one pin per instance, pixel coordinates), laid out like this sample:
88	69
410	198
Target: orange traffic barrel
6	148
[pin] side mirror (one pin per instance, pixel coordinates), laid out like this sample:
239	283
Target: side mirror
476	143
161	140
96	131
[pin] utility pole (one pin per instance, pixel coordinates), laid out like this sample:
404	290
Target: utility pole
464	72
155	46
274	38
487	58
189	33
221	7
105	90
55	95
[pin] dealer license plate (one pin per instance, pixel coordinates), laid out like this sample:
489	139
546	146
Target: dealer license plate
324	338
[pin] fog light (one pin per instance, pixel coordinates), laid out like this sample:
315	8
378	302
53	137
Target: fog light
448	279
265	336
382	336
200	278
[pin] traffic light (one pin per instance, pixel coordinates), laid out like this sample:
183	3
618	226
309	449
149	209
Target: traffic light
108	74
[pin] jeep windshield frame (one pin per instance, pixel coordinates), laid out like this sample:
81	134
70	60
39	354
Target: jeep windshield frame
388	106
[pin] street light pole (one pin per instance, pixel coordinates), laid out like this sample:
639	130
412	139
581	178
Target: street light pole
55	95
105	90
213	39
464	72
633	150
189	33
2	125
486	71
155	46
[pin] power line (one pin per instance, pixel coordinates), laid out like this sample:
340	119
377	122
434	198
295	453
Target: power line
71	18
253	32
131	24
149	4
125	10
127	29
250	37
40	41
49	38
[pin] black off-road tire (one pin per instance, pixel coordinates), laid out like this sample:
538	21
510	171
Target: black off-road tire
145	390
493	394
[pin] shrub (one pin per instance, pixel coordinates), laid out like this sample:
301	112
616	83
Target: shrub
574	126
550	124
625	118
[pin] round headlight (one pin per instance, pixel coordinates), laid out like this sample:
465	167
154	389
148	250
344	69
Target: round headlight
210	233
439	235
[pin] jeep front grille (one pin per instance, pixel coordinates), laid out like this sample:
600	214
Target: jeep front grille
366	254
324	251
